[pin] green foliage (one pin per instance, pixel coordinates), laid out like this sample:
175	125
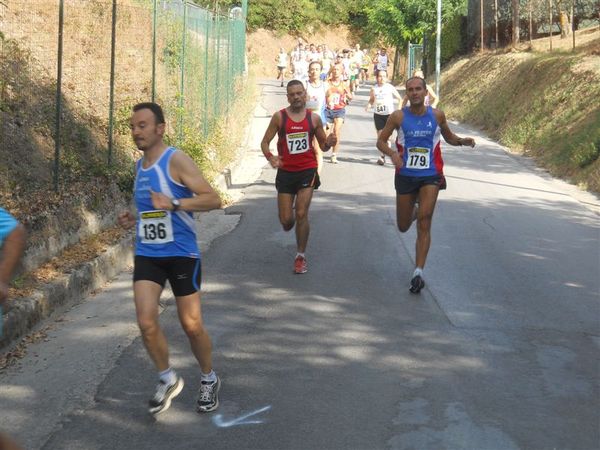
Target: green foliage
401	21
452	42
280	15
584	147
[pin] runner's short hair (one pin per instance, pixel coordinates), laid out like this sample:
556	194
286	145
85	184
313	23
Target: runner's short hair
154	107
315	62
422	80
294	83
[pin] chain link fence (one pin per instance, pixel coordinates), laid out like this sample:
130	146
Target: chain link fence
70	71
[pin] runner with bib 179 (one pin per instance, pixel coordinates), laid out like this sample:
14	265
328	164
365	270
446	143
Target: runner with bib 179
419	166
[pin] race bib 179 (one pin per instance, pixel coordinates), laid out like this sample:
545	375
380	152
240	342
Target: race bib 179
417	158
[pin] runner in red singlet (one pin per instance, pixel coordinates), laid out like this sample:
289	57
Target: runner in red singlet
296	163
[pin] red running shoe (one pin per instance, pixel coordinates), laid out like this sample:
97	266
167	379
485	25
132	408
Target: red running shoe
300	265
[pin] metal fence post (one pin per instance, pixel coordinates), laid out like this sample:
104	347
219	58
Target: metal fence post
154	50
217	65
111	108
61	22
228	84
206	47
182	79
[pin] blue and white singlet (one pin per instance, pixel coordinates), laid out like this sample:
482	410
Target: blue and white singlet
162	233
418	143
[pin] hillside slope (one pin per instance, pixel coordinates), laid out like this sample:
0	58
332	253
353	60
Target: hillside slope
540	104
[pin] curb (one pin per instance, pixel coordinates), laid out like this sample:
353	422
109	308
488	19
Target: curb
69	288
72	287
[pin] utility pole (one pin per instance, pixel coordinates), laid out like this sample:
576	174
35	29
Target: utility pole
481	24
438	49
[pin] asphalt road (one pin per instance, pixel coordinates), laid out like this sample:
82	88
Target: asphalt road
500	351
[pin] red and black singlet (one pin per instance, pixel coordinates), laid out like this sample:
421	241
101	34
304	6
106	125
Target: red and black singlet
294	144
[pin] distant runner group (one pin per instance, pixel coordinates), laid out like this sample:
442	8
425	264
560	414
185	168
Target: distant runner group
323	84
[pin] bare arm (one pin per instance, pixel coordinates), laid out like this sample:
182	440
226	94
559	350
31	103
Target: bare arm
185	171
398	97
325	142
371	100
404	101
270	133
393	122
347	90
433	99
12	250
448	135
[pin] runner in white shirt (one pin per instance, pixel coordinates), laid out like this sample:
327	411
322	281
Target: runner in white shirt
298	53
354	70
282	64
382	99
358	56
315	101
326	62
300	70
381	60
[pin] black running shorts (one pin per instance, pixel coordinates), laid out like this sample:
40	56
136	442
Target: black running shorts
411	185
291	182
380	120
184	274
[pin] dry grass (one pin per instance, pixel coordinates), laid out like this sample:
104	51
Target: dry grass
539	104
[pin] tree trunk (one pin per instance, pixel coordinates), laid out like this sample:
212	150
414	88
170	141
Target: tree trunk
515	22
565	27
550	21
530	22
481	23
396	70
496	20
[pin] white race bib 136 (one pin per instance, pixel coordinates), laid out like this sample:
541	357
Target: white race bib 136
155	227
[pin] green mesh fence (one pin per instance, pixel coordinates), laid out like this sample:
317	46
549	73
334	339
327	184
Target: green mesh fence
115	53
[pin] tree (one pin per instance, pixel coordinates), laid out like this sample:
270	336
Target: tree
515	22
398	22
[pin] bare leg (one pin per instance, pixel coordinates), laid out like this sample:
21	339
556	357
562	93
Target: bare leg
285	204
190	315
405	211
337	129
427	200
302	226
146	296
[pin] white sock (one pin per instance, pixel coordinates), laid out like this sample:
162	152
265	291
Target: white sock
168	376
300	254
210	377
418	271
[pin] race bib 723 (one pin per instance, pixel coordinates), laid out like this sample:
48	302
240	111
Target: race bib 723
297	142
